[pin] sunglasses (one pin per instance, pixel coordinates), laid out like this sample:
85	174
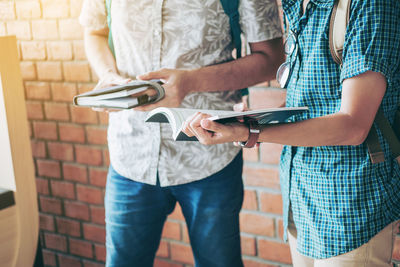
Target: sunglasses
285	70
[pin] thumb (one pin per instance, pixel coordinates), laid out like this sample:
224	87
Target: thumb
211	125
158	74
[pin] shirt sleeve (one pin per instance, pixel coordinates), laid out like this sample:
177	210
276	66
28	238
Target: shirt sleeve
93	15
372	41
259	20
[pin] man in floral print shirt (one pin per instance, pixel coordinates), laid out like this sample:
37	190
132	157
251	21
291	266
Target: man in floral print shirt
187	43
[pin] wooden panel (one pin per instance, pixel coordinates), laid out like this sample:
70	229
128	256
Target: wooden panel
12	91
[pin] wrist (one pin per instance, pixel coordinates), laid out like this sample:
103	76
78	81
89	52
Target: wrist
253	134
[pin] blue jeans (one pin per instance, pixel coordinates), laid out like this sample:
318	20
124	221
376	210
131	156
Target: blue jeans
136	212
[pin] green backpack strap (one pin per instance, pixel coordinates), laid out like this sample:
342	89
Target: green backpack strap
110	38
388	133
231	9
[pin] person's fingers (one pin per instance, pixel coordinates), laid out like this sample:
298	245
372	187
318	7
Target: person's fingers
186	125
158	74
204	136
211	125
239	107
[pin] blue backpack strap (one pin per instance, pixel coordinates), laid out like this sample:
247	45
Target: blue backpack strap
110	38
231	9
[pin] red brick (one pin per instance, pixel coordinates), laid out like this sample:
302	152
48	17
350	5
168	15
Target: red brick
172	230
163	250
44	29
80	248
185	234
88	155
94	233
396	249
89	194
19	28
103	118
77	71
46	222
76	6
55	8
96	135
74	172
177	213
62	189
271	203
50	205
37	90
33	50
280	228
181	253
28	70
263	177
68	227
68	261
49	258
28	9
166	263
45	130
274	251
7	10
100	251
59	50
34	110
48	168
72	133
79	50
38	149
106	157
97	214
250	154
55	241
61	151
258	224
76	210
248	245
267	98
49	71
70	29
270	153
98	177
64	92
42	186
83	115
255	263
250	200
56	111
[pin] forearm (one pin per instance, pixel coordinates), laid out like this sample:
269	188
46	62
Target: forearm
259	66
332	130
99	54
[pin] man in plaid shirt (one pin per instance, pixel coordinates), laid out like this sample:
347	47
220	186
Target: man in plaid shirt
339	208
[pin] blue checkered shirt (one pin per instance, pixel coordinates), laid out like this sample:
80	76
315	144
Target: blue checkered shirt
338	198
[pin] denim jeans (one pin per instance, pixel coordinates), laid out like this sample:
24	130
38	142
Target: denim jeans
136	212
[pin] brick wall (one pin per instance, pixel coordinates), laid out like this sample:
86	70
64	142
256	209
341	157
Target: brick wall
71	156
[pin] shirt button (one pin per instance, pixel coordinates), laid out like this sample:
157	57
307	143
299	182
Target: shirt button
156	33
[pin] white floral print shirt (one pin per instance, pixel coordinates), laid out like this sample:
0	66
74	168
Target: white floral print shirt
153	34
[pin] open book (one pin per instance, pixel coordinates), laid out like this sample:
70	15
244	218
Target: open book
177	116
125	96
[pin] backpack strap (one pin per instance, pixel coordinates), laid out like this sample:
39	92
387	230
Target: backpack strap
231	9
337	28
388	134
110	38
